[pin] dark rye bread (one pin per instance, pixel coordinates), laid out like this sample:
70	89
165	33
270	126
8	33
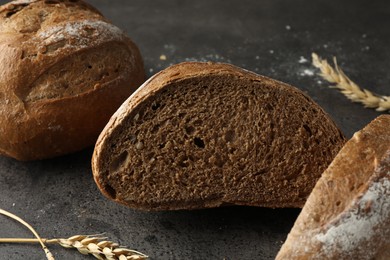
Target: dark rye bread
64	70
203	134
347	216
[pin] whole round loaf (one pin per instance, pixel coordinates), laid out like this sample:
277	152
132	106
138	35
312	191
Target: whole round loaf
64	70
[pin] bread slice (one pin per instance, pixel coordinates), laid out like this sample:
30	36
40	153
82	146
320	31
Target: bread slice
347	216
203	135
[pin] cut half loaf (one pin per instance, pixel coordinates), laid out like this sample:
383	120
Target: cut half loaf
203	134
347	216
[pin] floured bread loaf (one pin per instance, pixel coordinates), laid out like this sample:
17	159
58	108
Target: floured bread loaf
347	216
64	71
201	135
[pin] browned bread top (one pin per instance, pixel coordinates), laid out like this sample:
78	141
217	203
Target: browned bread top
205	134
64	71
347	216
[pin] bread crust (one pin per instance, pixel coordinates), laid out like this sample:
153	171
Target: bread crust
347	216
49	105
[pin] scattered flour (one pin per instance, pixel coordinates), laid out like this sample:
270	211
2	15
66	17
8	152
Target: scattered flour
170	48
209	57
288	27
307	72
302	60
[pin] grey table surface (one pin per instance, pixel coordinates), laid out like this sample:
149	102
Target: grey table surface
271	37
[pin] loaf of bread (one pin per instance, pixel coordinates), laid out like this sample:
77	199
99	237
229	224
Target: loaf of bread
64	70
203	135
347	216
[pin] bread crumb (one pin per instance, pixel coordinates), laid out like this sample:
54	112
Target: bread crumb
288	27
163	57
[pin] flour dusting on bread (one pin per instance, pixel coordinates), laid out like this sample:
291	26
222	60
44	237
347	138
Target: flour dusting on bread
81	31
359	225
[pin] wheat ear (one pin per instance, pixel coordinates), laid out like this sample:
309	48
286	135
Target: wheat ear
94	245
349	88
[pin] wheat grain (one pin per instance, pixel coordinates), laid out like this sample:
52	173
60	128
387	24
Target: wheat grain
85	244
349	88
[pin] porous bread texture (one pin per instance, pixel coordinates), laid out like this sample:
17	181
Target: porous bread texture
64	71
347	216
203	135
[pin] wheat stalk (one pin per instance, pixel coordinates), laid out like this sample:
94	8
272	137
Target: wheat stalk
49	256
85	244
349	88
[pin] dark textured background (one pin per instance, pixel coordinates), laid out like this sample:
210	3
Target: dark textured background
59	198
